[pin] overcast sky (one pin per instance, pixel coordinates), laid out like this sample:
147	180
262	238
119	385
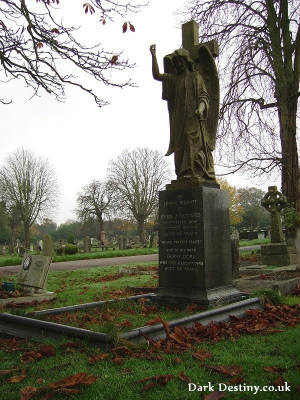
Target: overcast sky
78	138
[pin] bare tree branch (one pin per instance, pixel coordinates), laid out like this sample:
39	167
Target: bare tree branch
136	178
94	201
37	48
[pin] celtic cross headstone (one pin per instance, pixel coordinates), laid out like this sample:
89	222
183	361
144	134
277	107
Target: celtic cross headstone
274	202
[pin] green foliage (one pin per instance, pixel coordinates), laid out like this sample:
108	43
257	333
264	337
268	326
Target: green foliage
291	218
59	251
4	224
64	231
71	239
71	249
255	216
46	227
68	249
270	297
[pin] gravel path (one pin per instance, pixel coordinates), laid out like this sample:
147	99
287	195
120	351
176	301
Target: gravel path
81	264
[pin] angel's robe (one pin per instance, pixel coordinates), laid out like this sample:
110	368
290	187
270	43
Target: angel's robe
188	134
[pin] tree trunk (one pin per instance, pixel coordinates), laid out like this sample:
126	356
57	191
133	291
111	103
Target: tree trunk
101	223
141	230
27	236
290	163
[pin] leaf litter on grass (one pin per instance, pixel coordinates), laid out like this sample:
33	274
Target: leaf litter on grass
66	385
177	341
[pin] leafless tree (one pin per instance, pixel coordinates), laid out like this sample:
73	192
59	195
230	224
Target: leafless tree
136	178
37	47
260	47
28	185
94	201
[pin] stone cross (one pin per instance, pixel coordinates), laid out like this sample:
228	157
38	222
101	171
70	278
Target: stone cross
48	249
190	40
274	202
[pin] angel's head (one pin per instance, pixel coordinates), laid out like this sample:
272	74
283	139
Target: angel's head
182	61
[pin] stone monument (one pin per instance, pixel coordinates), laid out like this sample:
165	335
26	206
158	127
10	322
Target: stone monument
277	253
31	281
48	248
32	277
194	237
87	244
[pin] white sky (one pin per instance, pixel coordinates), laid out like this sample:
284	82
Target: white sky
78	138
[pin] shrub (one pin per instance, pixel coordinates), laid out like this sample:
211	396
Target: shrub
59	251
67	249
71	249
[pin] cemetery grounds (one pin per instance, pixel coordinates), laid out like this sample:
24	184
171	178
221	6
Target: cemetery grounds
260	351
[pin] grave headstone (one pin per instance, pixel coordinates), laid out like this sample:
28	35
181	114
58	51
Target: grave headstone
33	274
21	251
235	257
261	235
87	244
120	243
125	243
48	247
154	239
277	253
274	202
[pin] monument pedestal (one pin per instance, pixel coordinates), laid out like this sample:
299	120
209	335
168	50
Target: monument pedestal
194	245
279	254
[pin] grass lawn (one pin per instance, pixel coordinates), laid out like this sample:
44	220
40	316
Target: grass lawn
16	260
6	260
253	242
117	378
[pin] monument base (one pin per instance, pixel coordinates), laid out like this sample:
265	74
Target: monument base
36	297
279	254
195	264
178	296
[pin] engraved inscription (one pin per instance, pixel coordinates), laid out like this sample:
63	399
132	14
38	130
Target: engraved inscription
181	235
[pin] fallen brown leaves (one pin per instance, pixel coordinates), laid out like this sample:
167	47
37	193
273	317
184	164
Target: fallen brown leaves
159	380
158	320
18	378
97	357
274	369
183	377
67	385
202	355
42	351
214	396
177	341
231	371
255	322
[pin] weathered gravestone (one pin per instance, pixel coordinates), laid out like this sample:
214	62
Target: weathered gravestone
194	238
87	244
32	277
235	254
48	247
277	252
